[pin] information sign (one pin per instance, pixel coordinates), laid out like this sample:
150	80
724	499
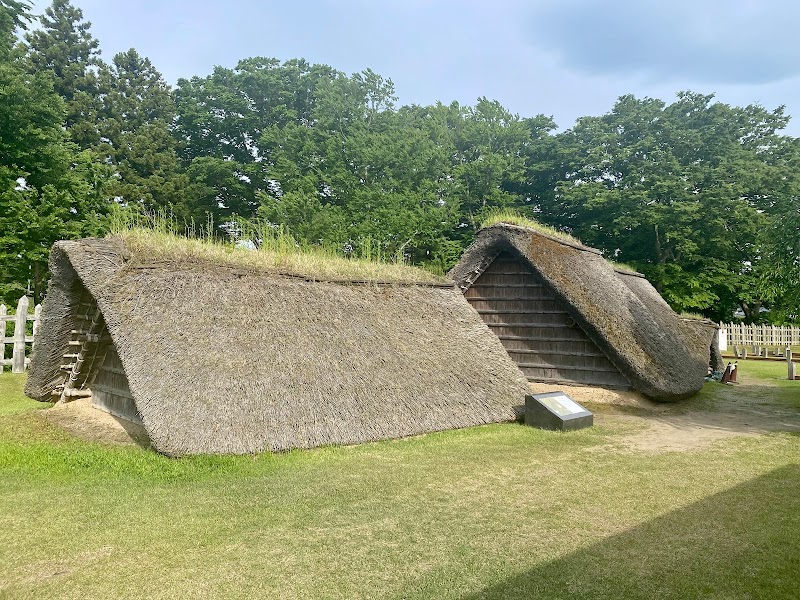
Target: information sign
556	411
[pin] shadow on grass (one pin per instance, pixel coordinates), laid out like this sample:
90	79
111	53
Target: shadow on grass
135	431
740	543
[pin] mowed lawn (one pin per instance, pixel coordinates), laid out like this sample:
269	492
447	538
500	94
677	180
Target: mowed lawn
501	511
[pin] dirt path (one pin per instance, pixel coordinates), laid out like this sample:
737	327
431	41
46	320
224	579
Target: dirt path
746	409
681	432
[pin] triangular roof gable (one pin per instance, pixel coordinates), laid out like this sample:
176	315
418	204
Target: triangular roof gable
646	341
537	329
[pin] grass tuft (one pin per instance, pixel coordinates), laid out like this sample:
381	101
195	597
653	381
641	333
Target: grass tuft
264	248
511	217
693	315
623	266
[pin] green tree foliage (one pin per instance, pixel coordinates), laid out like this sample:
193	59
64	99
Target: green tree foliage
348	170
779	280
676	190
779	277
48	191
65	47
491	150
331	157
135	134
14	15
229	121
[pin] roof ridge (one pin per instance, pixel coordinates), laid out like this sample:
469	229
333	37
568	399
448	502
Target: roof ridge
578	246
628	272
149	264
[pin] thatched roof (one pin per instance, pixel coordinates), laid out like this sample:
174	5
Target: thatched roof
221	360
618	309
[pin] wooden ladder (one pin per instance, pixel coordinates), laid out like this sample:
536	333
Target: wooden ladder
92	343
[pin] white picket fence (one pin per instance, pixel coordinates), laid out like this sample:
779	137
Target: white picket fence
18	361
757	336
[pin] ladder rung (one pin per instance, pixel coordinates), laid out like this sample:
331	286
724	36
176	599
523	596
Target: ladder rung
94	338
87	317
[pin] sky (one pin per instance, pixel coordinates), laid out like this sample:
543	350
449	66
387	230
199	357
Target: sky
561	58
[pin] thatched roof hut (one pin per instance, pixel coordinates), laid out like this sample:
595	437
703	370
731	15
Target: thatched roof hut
215	359
567	315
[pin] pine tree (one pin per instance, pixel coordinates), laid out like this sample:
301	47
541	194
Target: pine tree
48	191
135	127
65	47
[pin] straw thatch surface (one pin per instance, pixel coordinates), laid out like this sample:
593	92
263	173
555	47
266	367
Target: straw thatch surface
702	328
220	361
621	312
709	331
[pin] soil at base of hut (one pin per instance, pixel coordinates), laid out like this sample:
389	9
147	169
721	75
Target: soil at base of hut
91	424
747	409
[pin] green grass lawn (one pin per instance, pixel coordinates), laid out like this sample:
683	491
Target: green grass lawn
501	511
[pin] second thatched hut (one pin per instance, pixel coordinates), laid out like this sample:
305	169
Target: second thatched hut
567	315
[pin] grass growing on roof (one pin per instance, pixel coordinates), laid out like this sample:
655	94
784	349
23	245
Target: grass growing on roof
623	266
500	511
278	252
511	217
693	315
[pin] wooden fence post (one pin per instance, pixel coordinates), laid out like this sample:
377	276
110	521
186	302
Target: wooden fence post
3	313
37	314
789	363
20	323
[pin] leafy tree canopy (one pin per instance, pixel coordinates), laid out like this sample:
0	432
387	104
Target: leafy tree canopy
47	189
699	195
681	191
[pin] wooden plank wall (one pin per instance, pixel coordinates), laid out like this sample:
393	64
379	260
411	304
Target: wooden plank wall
110	391
535	330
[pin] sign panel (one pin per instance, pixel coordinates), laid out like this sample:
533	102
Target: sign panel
562	405
556	411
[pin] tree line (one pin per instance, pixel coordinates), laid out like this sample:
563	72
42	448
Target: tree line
700	196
